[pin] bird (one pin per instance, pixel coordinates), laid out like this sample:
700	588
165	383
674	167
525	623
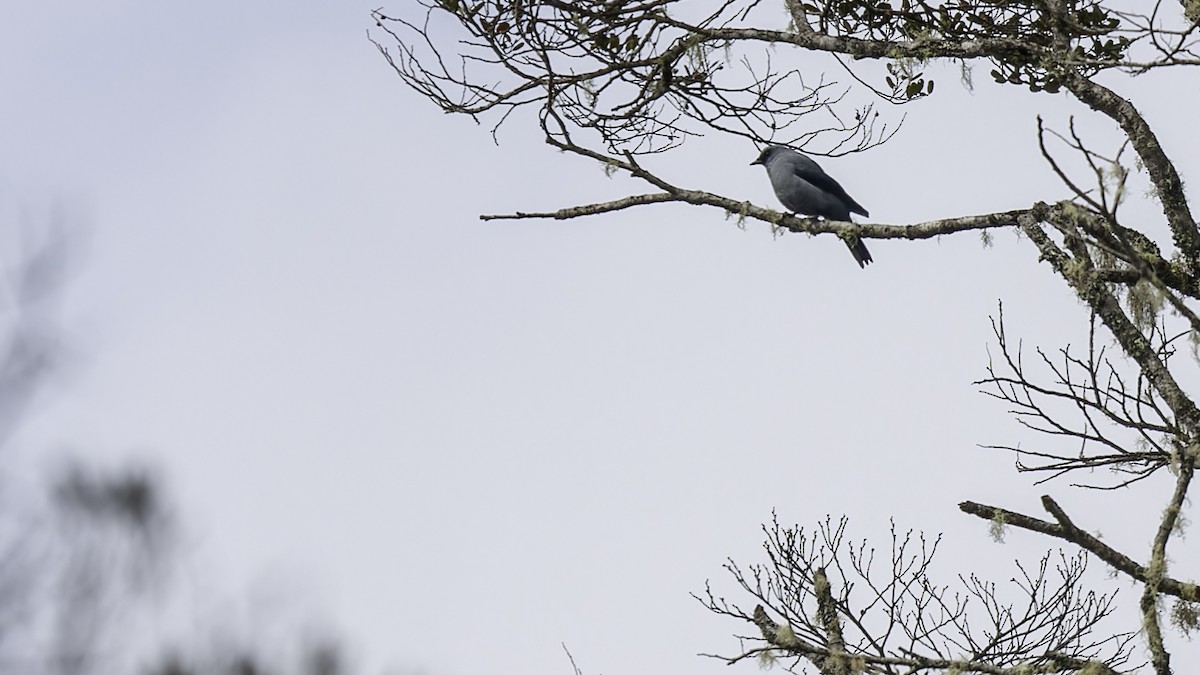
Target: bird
803	187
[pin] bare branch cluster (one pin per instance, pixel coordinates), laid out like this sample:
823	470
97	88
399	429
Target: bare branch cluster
843	606
633	76
645	75
1120	422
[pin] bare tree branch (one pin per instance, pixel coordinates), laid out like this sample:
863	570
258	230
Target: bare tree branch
1067	531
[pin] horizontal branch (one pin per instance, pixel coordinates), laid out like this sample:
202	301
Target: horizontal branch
920	48
588	209
1067	531
924	230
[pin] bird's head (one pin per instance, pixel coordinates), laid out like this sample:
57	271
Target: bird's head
768	152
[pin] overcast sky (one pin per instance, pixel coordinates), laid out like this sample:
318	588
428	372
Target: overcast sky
467	443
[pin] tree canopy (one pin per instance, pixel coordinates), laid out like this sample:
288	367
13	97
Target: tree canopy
620	81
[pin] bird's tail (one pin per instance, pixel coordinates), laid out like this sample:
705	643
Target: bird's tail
859	250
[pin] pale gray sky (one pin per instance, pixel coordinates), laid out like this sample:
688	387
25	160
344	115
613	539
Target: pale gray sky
469	442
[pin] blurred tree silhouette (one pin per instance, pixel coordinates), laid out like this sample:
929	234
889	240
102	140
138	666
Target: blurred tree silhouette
84	560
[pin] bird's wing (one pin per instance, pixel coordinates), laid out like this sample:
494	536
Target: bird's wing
812	173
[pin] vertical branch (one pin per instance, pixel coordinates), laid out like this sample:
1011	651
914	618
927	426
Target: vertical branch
838	662
1157	568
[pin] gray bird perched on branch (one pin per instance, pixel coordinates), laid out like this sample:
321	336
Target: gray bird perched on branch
804	188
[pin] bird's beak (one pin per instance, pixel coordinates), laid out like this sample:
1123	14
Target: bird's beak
755	162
